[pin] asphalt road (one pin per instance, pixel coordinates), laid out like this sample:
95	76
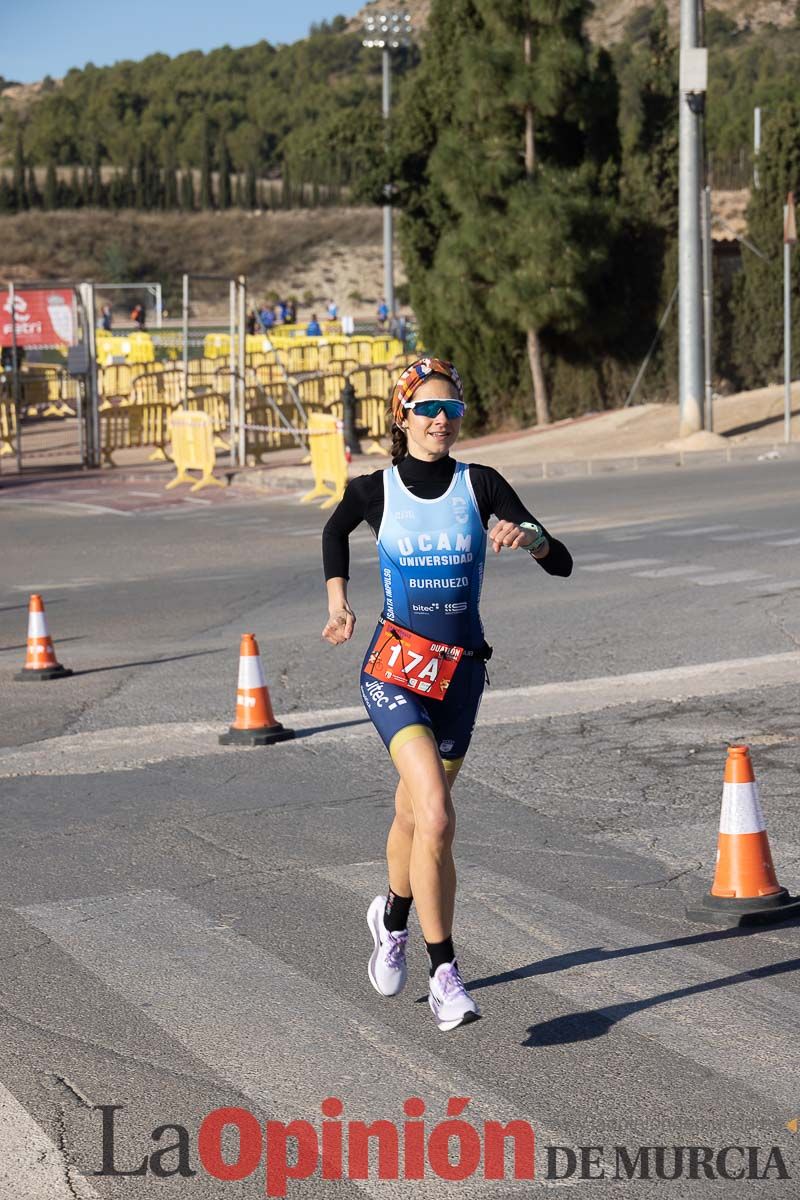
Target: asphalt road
182	925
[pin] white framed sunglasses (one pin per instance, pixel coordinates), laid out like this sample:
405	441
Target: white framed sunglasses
453	408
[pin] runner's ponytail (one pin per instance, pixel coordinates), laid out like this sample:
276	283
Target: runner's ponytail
399	444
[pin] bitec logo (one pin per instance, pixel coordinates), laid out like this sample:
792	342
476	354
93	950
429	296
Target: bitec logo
453	1149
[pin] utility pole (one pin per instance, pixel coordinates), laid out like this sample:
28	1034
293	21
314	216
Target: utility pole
387	31
693	80
789	239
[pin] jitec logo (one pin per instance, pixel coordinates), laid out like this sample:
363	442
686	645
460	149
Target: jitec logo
453	1149
665	1162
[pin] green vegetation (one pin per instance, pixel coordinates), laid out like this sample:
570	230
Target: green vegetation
536	178
309	111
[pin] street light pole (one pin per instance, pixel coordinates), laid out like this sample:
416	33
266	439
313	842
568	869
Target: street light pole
693	77
387	31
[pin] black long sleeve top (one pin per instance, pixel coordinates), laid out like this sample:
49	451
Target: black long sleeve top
363	501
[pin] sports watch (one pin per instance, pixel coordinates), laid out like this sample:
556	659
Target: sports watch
539	541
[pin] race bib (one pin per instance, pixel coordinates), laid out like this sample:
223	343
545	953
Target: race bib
410	661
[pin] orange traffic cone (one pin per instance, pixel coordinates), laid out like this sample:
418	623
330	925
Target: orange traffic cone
40	661
255	723
745	890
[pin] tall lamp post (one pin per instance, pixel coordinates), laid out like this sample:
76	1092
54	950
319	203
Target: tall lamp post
387	31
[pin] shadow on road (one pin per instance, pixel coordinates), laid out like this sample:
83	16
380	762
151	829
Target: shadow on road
751	425
583	1026
145	662
302	733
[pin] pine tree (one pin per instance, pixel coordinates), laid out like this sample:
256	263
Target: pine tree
86	188
51	196
224	169
758	293
206	192
514	129
18	179
238	191
117	192
7	197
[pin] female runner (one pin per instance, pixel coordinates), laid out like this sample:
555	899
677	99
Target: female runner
423	674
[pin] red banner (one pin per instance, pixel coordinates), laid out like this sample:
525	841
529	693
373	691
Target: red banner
42	318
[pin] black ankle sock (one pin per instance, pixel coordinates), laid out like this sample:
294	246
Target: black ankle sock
440	952
395	914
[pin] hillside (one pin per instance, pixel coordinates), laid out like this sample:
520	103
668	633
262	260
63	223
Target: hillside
313	255
607	23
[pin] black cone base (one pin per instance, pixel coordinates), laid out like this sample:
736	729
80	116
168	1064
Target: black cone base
728	913
256	737
39	673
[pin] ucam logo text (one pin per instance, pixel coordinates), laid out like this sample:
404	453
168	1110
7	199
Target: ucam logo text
425	543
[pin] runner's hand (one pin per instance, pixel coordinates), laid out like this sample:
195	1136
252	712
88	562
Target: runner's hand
340	626
506	533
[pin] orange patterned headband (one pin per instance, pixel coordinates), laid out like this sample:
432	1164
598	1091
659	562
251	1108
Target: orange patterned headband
415	375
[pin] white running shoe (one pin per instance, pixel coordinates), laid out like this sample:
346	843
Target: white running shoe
387	964
451	1003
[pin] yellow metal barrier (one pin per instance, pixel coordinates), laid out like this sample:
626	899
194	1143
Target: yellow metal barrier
132	427
154	387
218	409
8	427
328	460
193	449
134	348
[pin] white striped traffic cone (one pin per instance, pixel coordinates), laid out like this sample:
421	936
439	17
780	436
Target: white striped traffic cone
255	723
40	660
745	890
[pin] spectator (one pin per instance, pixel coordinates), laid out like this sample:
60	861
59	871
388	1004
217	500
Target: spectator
291	312
313	328
283	312
266	317
138	316
383	314
333	310
251	321
106	318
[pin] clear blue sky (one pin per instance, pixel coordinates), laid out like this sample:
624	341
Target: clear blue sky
47	37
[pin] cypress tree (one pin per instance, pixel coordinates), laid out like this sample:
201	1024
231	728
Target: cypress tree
7	198
187	190
51	196
97	178
34	195
251	187
170	176
74	190
206	192
18	180
758	291
224	169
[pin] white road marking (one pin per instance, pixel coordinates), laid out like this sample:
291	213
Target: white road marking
203	984
771	589
623	564
58	505
31	1164
667	572
514	926
716	580
698	529
748	535
130	747
794	541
